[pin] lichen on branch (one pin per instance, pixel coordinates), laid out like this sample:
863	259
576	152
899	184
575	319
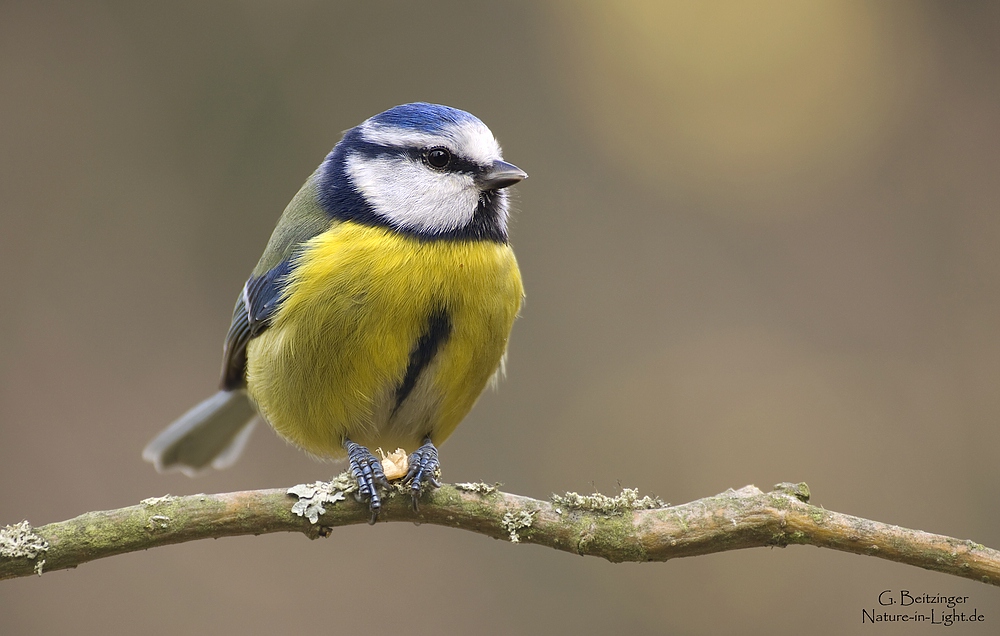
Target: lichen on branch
625	527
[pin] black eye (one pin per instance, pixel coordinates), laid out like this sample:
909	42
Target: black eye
438	158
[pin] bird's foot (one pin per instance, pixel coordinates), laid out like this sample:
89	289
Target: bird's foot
424	469
367	469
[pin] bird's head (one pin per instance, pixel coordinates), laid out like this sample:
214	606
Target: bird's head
424	169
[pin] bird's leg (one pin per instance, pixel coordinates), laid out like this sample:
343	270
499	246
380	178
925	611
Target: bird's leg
424	468
367	469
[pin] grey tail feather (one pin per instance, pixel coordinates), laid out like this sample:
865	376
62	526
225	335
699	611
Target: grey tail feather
213	433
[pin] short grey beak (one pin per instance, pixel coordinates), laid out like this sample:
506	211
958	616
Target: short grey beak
500	175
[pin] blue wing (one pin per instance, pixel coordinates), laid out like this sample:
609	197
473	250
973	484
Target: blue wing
303	219
254	310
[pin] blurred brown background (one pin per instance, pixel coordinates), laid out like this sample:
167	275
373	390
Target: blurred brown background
760	243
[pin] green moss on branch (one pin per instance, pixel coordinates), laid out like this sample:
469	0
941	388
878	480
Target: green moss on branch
622	528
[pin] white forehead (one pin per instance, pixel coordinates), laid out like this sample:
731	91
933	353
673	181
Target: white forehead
470	139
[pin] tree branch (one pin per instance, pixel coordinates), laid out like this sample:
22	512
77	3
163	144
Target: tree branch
622	528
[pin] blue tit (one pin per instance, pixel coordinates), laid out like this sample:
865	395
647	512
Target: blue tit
380	309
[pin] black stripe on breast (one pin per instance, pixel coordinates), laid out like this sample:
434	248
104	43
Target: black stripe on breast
435	334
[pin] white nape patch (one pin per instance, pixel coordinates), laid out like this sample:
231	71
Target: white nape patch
469	139
409	195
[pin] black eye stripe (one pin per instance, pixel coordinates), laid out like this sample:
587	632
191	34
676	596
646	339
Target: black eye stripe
461	164
458	163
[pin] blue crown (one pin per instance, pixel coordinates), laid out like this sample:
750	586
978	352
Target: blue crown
430	118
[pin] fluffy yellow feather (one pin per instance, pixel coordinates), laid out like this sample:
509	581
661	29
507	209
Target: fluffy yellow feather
339	345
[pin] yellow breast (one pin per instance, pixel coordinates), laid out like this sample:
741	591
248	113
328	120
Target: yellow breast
356	307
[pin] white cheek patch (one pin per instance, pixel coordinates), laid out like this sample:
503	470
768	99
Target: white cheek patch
411	196
469	139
